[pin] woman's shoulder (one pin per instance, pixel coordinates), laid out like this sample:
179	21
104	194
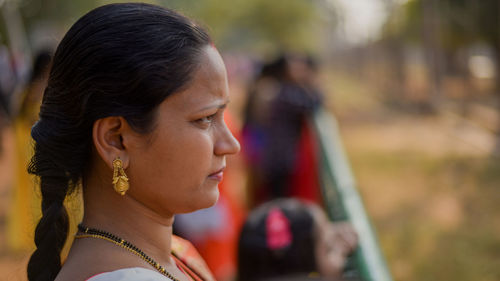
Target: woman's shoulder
130	274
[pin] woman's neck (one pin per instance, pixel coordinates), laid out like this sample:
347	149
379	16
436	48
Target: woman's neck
128	219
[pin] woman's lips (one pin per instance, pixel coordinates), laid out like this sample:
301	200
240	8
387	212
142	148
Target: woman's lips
217	175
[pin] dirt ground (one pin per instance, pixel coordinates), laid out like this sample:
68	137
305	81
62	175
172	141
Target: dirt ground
431	188
430	185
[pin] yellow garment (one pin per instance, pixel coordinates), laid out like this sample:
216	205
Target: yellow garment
25	211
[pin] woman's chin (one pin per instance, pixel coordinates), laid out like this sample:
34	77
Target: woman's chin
204	201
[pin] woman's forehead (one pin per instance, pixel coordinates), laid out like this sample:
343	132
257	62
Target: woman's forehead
212	61
208	86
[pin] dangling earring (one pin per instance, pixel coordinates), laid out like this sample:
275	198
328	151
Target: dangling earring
120	179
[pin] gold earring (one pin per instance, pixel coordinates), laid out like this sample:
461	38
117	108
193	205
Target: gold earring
120	179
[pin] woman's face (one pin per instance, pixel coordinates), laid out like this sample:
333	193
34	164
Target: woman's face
177	167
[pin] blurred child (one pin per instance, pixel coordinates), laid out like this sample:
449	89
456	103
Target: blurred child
286	237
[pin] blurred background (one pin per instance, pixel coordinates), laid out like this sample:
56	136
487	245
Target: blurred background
414	85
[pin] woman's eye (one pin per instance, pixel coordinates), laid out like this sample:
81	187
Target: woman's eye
207	119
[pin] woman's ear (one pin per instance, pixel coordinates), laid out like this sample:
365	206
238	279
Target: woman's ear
107	135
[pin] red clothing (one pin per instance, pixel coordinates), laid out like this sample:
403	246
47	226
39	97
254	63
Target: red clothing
304	182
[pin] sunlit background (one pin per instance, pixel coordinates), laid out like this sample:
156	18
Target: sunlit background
413	83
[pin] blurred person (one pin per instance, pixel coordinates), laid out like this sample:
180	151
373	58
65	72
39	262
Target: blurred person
133	115
287	238
8	80
279	141
304	181
256	131
24	211
31	98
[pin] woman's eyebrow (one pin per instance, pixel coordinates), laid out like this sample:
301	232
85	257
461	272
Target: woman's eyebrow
218	106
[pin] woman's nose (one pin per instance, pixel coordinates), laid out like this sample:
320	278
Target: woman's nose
227	144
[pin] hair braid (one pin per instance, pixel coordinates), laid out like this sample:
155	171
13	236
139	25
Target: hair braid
52	229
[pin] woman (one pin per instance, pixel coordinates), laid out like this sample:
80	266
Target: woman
24	210
280	143
133	113
286	239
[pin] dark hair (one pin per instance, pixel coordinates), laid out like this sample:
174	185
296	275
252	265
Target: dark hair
117	60
276	68
40	69
257	261
41	64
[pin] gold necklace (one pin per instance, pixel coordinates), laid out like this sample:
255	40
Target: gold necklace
96	233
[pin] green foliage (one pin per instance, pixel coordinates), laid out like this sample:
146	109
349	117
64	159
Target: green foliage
460	21
404	22
258	25
58	11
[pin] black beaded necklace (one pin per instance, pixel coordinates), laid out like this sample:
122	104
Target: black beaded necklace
96	233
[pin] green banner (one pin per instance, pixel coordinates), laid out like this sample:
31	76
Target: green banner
343	202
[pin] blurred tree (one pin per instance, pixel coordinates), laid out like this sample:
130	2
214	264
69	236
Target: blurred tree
431	33
57	11
258	25
394	48
444	27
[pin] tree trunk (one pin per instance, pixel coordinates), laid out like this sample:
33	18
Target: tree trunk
497	82
432	50
395	52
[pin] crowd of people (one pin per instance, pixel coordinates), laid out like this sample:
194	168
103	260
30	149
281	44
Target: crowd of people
131	132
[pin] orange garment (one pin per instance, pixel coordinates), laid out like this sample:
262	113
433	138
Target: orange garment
219	248
189	260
